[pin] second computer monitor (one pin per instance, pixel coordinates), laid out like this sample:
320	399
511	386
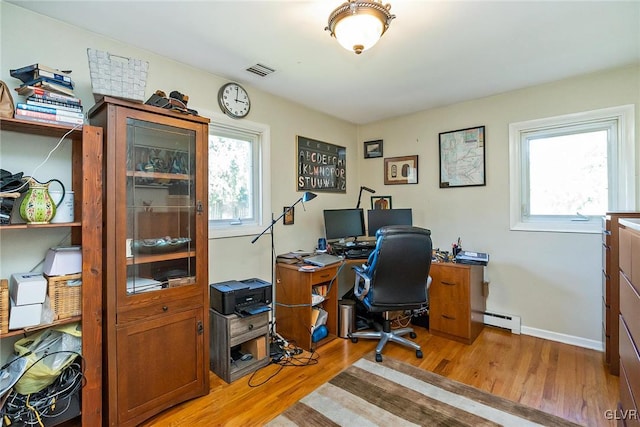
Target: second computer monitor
377	218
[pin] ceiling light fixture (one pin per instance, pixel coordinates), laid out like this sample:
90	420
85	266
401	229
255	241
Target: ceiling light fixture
358	25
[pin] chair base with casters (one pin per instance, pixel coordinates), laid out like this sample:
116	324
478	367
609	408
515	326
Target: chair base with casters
385	334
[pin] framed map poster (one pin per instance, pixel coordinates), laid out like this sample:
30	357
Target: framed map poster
462	160
321	166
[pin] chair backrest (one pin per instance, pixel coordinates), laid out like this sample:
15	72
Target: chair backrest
399	268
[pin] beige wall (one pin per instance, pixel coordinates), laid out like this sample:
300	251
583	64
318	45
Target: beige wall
551	280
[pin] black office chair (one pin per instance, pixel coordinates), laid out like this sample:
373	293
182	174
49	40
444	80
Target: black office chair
396	277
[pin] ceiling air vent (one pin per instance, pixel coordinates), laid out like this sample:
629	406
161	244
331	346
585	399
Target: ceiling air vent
261	70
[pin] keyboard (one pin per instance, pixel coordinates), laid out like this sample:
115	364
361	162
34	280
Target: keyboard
358	253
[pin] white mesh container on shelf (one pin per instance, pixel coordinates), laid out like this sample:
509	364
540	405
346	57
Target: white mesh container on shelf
117	76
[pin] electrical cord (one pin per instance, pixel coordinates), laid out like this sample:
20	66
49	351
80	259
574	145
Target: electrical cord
62	138
289	356
31	409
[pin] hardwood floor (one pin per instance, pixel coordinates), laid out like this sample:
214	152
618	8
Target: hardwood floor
564	380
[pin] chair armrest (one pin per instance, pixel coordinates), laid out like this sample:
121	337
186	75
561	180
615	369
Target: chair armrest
358	291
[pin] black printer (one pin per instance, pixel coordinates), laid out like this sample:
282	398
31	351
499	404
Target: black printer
244	297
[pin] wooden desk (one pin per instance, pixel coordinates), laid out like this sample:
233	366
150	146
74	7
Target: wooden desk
456	298
293	302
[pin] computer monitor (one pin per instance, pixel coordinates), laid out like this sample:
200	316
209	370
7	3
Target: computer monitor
377	218
343	223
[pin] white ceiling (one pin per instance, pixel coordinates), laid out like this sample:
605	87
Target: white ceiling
435	52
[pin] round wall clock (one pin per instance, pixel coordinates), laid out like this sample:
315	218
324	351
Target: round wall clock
234	100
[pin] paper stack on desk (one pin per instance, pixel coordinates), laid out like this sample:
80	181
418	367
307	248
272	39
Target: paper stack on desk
292	257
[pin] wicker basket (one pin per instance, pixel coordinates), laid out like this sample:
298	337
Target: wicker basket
117	76
65	295
4	306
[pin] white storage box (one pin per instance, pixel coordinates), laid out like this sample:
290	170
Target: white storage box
27	288
62	261
22	316
117	76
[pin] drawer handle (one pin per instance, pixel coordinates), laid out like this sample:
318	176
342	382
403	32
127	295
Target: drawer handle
250	326
324	275
165	308
448	317
448	283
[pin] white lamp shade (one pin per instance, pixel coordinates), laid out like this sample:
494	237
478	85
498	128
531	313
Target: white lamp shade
358	30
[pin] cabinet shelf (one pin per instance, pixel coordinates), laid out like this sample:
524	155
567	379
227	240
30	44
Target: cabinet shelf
33	329
146	259
26	226
37	128
159	175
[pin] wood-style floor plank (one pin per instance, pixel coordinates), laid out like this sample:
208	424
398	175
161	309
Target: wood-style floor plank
564	380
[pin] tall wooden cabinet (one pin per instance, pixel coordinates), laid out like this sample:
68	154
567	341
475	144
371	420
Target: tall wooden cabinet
86	230
456	301
155	286
629	321
611	287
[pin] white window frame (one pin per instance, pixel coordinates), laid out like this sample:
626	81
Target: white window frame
622	197
219	229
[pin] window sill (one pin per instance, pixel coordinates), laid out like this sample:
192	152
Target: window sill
234	231
586	227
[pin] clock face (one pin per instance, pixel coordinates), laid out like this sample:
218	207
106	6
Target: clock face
234	100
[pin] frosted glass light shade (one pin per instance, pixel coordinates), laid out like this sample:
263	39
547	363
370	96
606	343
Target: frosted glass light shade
359	24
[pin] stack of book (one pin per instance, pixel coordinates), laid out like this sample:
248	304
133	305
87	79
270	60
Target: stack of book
49	96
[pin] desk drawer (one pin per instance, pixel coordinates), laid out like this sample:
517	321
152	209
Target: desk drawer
630	308
627	403
160	308
239	327
323	276
629	358
449	285
451	318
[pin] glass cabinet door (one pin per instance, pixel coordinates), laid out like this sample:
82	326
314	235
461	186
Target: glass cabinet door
160	207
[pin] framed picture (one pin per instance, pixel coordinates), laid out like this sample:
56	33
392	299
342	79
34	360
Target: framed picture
288	216
321	166
401	170
381	202
462	158
373	149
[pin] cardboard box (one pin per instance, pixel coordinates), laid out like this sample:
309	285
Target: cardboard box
257	347
62	261
28	288
22	316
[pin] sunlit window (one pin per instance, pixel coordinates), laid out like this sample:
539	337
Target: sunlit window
238	178
566	172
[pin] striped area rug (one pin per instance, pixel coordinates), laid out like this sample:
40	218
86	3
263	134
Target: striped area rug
393	393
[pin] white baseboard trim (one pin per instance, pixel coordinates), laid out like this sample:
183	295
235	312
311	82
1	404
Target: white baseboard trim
563	338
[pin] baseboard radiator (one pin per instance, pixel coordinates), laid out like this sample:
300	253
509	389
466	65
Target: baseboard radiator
505	321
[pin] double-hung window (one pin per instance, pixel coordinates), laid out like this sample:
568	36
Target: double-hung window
568	171
239	177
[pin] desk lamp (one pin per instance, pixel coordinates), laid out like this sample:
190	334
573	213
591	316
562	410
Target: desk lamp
360	195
